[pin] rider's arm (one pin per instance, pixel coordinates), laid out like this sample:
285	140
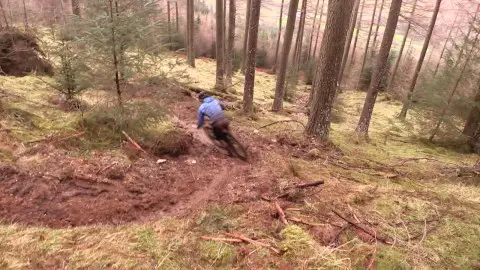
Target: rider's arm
200	117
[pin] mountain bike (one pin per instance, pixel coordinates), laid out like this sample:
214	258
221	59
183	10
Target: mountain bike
230	144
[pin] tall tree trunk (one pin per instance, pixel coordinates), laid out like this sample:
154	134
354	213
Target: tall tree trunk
318	30
231	41
368	38
445	44
455	87
76	8
380	69
4	14
225	35
169	27
220	82
331	53
411	88
474	141
287	43
251	55
114	55
346	50
274	68
352	59
190	33
473	120
299	42
311	34
402	47
176	16
245	36
379	20
25	17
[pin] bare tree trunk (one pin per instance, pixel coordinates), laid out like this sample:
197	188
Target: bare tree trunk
274	68
252	50
346	50
76	8
454	90
299	42
379	20
245	36
402	47
474	141
411	88
311	34
176	16
220	82
4	14
114	54
379	70
352	59
445	44
331	53
225	35
231	41
368	38
25	16
190	33
169	26
318	30
287	43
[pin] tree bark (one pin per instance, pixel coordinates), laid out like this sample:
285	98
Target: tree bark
274	67
374	44
318	30
176	16
329	62
402	47
299	42
225	35
231	41
25	17
287	43
252	50
114	55
313	30
220	81
380	69
455	87
190	33
352	59
411	88
368	38
245	36
169	26
445	44
76	8
346	50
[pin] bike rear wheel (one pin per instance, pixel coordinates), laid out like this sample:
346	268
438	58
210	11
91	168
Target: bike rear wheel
237	148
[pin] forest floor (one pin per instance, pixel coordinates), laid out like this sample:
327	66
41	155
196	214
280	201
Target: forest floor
70	199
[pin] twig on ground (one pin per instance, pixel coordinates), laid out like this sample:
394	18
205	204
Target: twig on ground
359	226
253	242
294	219
281	214
305	185
106	168
281	121
134	143
219	239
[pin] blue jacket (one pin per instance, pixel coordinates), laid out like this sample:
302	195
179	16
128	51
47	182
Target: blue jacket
212	108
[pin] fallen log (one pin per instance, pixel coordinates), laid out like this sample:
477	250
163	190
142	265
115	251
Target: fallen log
281	214
251	241
305	185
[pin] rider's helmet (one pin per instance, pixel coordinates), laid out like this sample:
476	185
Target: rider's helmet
202	95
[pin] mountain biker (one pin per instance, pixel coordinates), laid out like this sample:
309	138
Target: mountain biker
213	109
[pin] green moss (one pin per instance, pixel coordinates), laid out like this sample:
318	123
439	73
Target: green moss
391	259
296	243
217	253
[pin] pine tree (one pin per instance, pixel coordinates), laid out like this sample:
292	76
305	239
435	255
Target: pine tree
245	35
449	36
220	82
311	32
365	53
251	57
287	42
76	8
190	33
352	59
374	44
318	30
231	41
331	53
274	66
380	69
411	88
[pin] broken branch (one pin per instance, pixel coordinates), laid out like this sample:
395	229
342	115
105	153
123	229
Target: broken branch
134	143
281	214
281	121
294	219
219	239
305	185
253	242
